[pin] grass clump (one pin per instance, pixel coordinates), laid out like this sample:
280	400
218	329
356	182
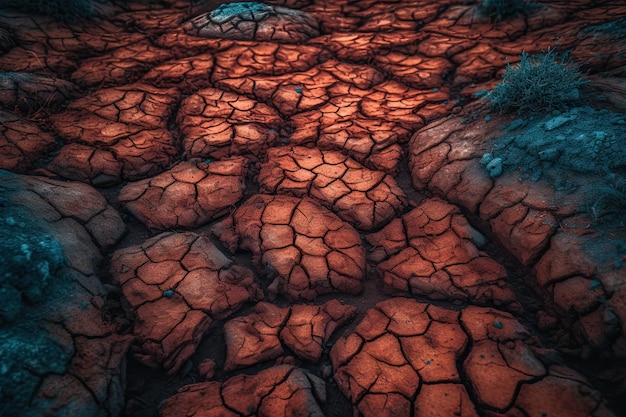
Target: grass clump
538	84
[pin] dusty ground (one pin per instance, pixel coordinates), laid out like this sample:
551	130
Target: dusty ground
293	208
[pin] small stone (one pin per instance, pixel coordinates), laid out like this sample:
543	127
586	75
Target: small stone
516	124
557	122
168	293
494	167
486	159
206	369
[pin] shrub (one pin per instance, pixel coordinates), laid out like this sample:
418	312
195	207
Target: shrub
502	9
537	84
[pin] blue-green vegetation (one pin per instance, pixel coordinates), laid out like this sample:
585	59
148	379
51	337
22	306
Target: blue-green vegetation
538	84
581	140
29	259
27	355
581	147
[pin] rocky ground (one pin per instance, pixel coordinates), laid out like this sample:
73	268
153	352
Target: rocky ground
306	207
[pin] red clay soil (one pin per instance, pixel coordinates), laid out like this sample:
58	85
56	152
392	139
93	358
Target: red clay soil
305	208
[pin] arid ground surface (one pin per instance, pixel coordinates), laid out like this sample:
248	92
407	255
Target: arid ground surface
308	208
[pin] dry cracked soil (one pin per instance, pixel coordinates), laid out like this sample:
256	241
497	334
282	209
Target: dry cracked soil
309	208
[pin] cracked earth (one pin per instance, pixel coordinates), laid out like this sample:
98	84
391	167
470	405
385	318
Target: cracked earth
282	209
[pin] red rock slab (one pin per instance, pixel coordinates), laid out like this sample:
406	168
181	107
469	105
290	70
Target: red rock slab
573	263
372	142
132	157
254	338
21	143
189	195
199	71
368	124
488	53
409	358
218	124
485	53
582	279
365	198
430	252
120	66
305	248
279	391
187	74
379	17
266	58
183	45
213	103
137	105
65	325
414	70
444	157
398	102
294	93
332	17
304	329
126	126
98	167
77	202
254	21
309	328
362	46
177	284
